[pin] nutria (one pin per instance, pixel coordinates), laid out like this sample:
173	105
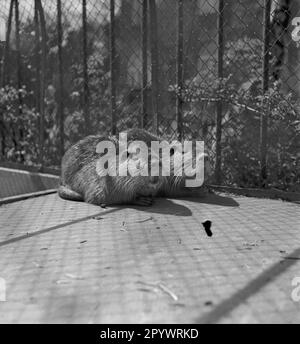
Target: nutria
80	180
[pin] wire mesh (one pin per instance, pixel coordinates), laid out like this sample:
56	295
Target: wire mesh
226	72
67	262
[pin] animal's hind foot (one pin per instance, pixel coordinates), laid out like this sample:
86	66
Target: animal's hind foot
68	194
144	201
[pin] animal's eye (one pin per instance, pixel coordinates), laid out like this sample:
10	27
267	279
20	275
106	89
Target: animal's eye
125	155
172	151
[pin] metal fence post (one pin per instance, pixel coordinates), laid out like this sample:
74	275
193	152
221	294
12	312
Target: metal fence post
42	23
265	86
20	128
5	73
6	49
179	76
19	65
61	78
113	68
85	70
219	103
37	57
154	64
143	117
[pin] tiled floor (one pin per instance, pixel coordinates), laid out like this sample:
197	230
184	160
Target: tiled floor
73	262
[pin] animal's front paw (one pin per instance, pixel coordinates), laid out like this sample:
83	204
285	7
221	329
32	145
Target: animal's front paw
144	201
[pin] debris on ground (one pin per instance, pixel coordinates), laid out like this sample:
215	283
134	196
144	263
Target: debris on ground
292	258
145	220
168	291
207	225
98	217
123	229
208	303
162	287
250	245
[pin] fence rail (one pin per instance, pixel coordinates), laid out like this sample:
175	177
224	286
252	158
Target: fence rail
223	71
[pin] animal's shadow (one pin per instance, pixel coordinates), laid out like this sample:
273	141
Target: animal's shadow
169	207
214	199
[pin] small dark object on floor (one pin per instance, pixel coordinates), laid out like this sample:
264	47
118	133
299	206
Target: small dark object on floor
103	206
97	218
144	289
145	220
208	303
207	225
292	258
83	242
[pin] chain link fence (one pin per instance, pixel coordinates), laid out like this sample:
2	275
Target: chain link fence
223	71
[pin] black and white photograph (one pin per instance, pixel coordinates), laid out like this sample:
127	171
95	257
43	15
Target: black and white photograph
149	165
